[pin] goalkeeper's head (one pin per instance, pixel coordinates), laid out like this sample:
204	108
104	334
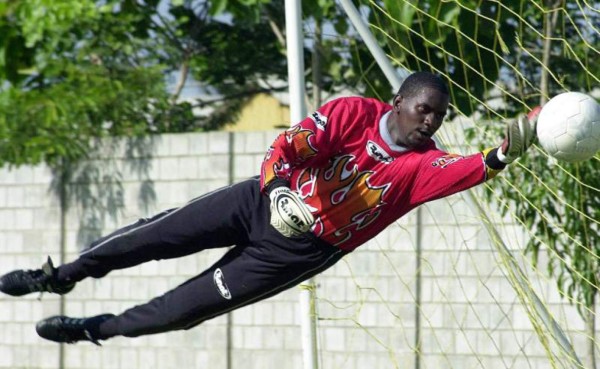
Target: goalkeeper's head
419	108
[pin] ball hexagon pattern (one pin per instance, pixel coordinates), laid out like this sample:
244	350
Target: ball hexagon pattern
568	127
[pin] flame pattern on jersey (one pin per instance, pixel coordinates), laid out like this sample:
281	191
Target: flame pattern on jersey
298	140
343	183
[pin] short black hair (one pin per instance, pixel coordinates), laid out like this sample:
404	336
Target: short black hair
415	82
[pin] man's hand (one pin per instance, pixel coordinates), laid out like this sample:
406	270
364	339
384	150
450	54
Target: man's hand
289	214
519	135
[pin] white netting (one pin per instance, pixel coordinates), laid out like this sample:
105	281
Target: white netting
504	276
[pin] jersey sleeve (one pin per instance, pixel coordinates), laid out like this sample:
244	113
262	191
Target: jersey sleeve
309	143
443	174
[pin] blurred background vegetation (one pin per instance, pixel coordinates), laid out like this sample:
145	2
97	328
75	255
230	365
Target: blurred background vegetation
75	70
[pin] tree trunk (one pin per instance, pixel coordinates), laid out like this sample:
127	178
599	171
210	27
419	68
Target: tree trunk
589	359
184	70
549	25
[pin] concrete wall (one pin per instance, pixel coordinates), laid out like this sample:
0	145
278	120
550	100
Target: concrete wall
468	317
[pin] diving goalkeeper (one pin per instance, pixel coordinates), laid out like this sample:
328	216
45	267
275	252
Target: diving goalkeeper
327	185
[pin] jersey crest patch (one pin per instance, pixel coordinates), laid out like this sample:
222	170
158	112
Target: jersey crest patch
376	152
319	119
446	160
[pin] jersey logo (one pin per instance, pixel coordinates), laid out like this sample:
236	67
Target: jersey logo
376	152
319	119
219	279
446	160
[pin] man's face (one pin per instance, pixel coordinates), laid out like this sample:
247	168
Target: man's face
415	119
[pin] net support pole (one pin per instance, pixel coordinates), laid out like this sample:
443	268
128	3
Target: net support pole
512	267
363	30
295	59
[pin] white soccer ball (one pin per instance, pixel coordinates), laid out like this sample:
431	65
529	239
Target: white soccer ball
568	127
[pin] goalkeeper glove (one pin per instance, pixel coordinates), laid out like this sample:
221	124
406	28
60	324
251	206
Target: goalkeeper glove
519	136
290	216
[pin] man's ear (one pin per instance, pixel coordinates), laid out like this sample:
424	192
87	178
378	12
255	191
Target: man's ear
396	102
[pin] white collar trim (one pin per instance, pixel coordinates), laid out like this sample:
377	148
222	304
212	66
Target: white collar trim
385	134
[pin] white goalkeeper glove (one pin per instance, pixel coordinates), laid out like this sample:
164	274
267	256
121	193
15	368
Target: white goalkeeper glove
290	216
519	136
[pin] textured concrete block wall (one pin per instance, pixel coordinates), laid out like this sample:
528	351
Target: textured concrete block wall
469	314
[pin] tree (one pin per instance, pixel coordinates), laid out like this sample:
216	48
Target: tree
74	73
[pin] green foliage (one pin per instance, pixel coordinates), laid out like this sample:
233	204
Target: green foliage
455	39
559	202
87	103
562	209
482	45
74	72
228	59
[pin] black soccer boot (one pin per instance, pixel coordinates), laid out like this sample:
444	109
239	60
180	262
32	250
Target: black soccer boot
22	282
63	329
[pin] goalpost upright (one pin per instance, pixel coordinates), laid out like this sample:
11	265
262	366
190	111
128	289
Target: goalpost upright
296	87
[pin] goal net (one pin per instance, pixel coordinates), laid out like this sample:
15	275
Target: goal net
505	276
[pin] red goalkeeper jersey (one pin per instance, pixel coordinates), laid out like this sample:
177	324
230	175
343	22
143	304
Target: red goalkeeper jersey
356	181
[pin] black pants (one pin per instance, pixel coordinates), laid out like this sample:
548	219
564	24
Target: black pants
262	263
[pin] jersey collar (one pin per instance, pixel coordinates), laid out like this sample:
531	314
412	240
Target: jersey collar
385	134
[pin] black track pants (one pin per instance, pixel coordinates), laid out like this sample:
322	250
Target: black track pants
262	263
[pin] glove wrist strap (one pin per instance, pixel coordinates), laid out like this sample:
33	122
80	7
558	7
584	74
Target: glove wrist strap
276	183
492	158
502	157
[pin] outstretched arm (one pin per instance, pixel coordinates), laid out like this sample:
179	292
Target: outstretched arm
444	174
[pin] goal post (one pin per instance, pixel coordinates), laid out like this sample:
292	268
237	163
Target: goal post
295	59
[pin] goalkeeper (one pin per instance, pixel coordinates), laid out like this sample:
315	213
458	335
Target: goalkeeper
327	185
